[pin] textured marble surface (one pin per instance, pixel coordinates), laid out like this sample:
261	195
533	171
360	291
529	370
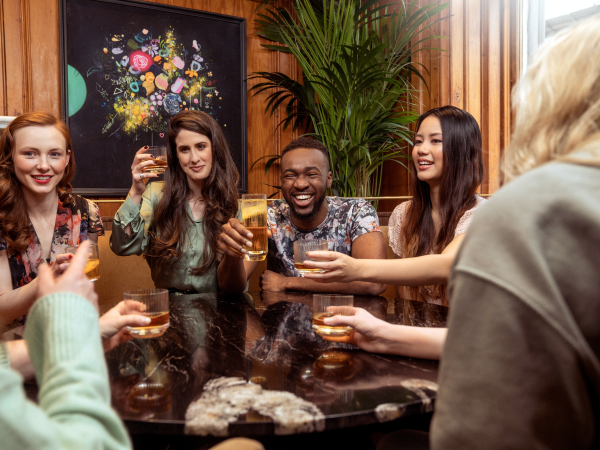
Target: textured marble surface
266	339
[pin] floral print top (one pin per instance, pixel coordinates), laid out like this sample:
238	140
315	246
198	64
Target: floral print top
75	218
346	220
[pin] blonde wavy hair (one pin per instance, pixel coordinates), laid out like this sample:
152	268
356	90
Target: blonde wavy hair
557	103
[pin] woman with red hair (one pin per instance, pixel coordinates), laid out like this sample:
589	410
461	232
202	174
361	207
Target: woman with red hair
39	216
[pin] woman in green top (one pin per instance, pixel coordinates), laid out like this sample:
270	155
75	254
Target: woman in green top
176	224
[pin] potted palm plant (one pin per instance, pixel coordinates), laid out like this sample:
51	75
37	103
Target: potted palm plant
355	95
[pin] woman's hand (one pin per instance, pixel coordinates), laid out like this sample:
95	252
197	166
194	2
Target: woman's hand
368	332
61	263
340	267
73	280
113	323
234	236
139	178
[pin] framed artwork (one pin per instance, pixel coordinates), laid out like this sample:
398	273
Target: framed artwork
129	66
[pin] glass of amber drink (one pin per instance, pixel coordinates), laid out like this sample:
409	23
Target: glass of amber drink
300	249
159	156
254	219
153	303
92	267
329	305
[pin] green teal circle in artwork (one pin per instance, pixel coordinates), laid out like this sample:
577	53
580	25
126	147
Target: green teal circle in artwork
77	90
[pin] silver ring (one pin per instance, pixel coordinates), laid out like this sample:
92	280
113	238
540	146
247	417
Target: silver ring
141	176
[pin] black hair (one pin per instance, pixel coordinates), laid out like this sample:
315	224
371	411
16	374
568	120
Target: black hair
306	142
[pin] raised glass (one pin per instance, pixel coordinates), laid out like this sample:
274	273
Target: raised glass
254	219
329	305
154	304
159	156
300	249
92	267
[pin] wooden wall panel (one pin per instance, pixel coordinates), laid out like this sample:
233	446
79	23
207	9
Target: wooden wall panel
477	72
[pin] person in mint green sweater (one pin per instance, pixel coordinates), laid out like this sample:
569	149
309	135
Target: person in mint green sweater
65	348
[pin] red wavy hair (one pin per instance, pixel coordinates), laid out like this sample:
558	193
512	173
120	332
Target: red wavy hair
15	229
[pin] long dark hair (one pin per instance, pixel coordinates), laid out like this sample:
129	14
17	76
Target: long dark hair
168	231
462	174
16	229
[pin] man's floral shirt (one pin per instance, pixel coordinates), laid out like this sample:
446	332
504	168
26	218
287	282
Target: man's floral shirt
346	220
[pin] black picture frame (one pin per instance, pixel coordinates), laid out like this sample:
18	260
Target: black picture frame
101	128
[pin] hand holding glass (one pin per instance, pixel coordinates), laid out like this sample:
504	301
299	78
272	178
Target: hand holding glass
159	156
329	305
153	303
92	267
254	219
300	249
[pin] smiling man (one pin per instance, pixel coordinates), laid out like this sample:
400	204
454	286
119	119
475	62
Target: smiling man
350	226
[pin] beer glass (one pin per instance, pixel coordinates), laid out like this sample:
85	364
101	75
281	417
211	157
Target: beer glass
153	303
308	245
159	156
92	267
329	305
254	219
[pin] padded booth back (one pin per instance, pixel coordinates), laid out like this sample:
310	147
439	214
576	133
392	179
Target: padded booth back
119	273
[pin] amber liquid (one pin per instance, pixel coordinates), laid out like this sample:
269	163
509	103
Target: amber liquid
333	365
92	269
326	330
152	397
157	327
305	269
159	166
254	214
260	245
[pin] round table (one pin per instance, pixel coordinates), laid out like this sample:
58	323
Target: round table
267	338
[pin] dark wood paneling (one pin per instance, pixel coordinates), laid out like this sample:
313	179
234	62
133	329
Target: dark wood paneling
477	74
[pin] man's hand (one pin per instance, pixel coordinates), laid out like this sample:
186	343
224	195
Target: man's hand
271	281
113	323
73	280
340	267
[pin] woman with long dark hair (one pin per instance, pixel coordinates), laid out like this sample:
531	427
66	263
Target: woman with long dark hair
448	170
426	232
176	224
39	216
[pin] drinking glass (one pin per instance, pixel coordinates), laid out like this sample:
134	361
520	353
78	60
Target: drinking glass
159	156
92	267
254	219
308	245
149	396
153	303
334	365
329	305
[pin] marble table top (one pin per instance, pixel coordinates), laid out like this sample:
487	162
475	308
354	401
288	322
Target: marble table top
267	339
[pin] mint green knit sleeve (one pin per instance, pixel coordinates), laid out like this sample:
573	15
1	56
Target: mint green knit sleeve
4	359
74	409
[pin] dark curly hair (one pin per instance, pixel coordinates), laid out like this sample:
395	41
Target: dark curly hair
306	142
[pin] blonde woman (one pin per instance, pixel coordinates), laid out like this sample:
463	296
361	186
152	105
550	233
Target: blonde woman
521	363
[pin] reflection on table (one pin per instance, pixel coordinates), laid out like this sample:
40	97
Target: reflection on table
267	339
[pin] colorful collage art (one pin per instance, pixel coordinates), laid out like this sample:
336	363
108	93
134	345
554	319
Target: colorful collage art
149	76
